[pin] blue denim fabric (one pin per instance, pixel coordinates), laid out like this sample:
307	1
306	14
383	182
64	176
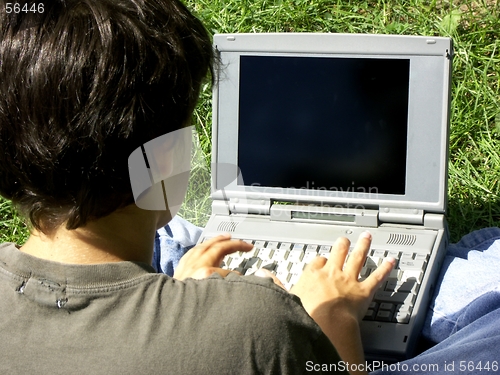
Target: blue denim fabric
172	242
468	351
470	270
464	315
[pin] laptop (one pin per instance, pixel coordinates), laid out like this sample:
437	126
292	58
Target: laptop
317	136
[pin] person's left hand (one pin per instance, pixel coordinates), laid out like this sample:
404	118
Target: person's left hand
205	259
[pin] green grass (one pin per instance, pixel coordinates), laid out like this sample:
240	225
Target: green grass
197	205
474	166
12	227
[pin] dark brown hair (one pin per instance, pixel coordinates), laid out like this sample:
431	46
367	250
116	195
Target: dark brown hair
83	84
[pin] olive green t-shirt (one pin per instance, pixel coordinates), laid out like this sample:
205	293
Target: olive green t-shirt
123	318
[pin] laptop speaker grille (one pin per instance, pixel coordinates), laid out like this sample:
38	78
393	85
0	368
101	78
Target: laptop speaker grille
402	239
227	226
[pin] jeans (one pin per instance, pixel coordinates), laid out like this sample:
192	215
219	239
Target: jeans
463	319
172	242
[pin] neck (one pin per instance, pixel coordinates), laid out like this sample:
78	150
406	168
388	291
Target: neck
125	235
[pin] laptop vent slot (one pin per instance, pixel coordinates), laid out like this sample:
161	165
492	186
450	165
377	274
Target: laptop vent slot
227	226
402	239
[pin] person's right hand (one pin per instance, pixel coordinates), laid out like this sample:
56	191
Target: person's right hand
332	295
331	285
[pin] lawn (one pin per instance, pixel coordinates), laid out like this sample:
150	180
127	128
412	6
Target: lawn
474	164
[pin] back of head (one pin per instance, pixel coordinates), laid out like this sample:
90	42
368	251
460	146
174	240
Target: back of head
84	83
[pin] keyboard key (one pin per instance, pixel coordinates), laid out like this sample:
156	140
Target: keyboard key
423	257
253	263
404	308
298	247
285	246
259	244
384	316
254	252
406	256
401	317
412	274
280	255
373	305
372	262
403	314
396	298
394	275
269	266
283	277
265	253
297	268
378	253
237	262
227	261
408	286
283	267
394	254
295	256
411	265
387	306
272	244
370	314
311	248
248	254
325	249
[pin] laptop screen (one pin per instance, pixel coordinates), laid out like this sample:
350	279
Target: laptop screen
332	119
325	123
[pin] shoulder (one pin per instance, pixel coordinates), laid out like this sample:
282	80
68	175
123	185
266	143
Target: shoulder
8	245
254	320
255	295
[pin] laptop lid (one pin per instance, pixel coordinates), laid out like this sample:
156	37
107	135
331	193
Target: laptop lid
356	120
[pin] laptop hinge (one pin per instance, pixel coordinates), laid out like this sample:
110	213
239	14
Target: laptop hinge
249	206
324	215
401	215
220	207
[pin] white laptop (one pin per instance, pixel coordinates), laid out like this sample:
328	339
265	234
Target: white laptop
317	136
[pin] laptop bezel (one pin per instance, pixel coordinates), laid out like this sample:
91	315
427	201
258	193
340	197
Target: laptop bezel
428	117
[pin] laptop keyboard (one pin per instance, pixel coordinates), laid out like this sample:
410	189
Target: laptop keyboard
393	302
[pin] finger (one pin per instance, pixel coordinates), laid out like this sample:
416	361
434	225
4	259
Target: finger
262	272
378	276
206	244
317	262
201	257
358	255
339	252
215	253
215	242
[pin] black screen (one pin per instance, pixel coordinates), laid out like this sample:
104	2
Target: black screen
324	123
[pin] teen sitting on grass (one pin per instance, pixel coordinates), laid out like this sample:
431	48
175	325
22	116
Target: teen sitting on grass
85	83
